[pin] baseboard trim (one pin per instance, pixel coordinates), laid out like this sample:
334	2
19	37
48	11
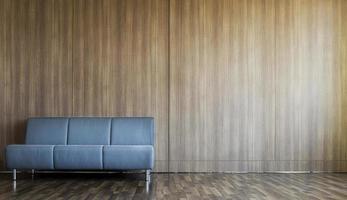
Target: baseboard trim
260	166
269	166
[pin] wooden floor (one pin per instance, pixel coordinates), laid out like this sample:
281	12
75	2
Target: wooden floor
175	186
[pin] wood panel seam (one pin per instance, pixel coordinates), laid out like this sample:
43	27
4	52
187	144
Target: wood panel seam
169	88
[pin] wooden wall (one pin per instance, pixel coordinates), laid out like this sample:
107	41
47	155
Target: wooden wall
258	85
223	85
84	58
37	63
234	85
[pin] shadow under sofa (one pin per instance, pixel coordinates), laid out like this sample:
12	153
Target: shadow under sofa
85	143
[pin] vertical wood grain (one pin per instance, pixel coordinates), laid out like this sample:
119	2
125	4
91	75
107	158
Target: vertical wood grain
339	107
90	67
294	75
120	63
261	80
342	57
2	79
308	81
37	63
271	98
222	64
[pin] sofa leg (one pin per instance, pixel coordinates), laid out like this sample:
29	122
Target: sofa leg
32	173
14	172
148	175
14	186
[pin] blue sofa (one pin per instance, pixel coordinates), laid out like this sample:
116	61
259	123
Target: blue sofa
85	143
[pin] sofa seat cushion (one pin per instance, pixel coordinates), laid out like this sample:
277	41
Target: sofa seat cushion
30	157
126	157
78	157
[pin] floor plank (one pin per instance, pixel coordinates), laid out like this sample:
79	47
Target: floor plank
175	186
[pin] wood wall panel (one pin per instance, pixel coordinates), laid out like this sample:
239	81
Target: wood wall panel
295	110
257	85
36	62
261	79
339	138
308	85
120	63
222	85
2	78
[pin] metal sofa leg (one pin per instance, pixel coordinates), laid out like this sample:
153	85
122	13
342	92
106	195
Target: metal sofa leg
148	175
14	172
32	173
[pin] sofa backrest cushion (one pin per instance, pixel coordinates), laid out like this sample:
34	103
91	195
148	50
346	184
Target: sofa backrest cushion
132	131
89	131
49	130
